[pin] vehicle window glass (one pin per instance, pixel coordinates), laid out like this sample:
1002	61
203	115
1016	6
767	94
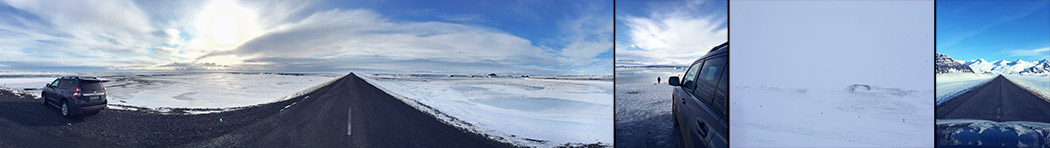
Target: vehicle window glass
55	83
690	76
710	73
91	85
722	100
66	84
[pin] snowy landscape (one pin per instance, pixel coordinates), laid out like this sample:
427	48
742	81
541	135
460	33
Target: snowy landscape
544	111
535	111
164	91
643	106
956	77
854	116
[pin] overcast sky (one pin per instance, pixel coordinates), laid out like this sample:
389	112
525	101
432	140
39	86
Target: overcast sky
832	44
535	37
668	32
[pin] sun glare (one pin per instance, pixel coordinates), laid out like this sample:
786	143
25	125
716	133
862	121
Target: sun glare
224	29
225	23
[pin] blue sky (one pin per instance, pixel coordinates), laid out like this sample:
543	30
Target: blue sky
532	37
994	30
668	32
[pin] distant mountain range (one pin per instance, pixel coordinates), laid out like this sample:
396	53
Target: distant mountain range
945	64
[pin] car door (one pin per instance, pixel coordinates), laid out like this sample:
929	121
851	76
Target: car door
704	119
49	92
682	113
721	107
64	90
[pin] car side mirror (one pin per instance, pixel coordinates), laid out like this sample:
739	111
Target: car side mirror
48	86
673	81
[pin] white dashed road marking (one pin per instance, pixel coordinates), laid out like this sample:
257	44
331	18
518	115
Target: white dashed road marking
349	111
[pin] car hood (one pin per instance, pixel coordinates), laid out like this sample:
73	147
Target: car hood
986	133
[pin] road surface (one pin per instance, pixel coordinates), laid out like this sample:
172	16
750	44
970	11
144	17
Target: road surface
347	113
997	100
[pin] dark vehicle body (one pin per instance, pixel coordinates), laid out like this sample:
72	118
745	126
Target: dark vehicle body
75	95
701	102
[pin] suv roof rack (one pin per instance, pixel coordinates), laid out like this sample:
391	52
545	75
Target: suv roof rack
79	77
719	46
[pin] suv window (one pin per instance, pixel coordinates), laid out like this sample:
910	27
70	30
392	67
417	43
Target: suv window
710	73
721	100
55	84
66	84
91	85
690	75
707	80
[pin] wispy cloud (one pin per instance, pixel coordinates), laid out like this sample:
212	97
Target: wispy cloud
674	35
1038	53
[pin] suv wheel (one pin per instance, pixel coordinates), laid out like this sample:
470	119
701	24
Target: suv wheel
43	99
65	109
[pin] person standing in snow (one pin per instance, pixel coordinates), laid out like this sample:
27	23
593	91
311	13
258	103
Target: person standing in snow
657	80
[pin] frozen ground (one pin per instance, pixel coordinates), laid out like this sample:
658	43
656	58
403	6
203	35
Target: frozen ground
524	111
951	85
855	116
643	107
163	91
1038	84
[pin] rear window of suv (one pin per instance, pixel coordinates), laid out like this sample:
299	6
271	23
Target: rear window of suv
91	85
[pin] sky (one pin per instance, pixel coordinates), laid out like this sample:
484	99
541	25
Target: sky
526	37
668	32
792	44
994	30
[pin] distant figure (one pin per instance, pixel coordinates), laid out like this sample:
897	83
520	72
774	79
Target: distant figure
657	80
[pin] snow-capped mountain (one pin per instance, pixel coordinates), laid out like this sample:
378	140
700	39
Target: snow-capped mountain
979	65
1040	67
1009	67
945	64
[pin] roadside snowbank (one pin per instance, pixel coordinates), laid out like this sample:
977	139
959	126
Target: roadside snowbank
1038	84
951	85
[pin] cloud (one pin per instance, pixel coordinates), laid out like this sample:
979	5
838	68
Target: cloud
285	36
589	36
1036	53
352	33
676	35
462	17
60	32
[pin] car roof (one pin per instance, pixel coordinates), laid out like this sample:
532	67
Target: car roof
81	78
715	51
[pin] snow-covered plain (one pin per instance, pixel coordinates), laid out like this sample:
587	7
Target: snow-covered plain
523	111
162	91
795	117
206	90
643	107
951	85
1038	84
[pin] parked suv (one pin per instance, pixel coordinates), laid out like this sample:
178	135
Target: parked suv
701	102
75	95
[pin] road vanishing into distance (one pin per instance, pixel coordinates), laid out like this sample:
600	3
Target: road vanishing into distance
349	112
998	100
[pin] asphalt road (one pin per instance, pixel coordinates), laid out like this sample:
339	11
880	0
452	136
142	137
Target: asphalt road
347	113
997	100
